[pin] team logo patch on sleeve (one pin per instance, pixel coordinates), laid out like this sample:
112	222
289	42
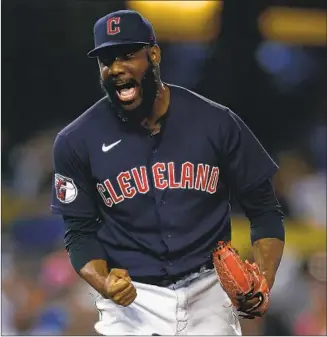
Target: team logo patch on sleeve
66	189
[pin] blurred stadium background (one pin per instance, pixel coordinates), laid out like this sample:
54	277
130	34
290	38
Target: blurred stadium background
264	59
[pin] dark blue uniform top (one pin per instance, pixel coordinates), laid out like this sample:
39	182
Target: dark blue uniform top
163	201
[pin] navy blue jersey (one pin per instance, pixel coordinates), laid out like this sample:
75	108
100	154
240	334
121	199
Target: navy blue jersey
162	202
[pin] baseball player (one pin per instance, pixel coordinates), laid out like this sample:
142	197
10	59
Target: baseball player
144	180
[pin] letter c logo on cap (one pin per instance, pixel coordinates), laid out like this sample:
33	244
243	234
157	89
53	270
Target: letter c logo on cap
113	26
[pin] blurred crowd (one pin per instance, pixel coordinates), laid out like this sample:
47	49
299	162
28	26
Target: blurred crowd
42	295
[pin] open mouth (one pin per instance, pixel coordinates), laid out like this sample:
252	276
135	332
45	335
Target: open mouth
126	91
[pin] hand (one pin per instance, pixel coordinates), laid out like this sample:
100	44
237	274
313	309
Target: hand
255	303
119	287
247	307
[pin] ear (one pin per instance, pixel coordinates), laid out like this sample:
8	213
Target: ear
155	54
103	70
99	64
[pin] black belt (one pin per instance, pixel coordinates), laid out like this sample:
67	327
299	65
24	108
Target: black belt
168	280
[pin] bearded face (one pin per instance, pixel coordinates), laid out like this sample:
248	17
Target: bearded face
130	80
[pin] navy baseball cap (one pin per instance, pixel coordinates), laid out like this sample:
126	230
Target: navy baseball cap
119	28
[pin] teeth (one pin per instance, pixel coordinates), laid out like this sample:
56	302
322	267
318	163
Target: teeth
123	84
126	94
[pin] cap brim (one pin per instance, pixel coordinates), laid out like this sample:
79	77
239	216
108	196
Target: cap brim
97	51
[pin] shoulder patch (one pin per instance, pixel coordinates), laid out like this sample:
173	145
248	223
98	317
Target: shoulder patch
66	190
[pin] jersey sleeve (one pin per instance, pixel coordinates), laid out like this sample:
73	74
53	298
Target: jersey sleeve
72	190
246	164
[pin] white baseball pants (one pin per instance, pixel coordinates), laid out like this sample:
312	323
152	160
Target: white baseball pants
195	305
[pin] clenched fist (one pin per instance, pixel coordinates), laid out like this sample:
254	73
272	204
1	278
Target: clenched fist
119	287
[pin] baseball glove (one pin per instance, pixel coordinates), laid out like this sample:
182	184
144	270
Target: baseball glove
243	282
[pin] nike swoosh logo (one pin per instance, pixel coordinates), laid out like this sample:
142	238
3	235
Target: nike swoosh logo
106	148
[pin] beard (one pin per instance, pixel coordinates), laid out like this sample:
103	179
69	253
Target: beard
149	90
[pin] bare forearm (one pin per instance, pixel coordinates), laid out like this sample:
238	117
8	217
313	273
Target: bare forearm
267	254
116	285
95	273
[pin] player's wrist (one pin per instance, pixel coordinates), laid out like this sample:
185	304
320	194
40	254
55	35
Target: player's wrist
95	273
100	286
270	278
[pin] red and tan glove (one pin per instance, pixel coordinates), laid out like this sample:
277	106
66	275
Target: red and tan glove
243	282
